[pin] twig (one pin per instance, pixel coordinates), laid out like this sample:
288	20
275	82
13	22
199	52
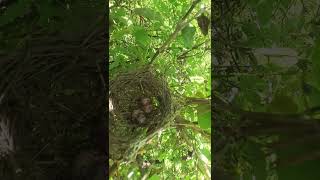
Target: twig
102	76
205	170
113	169
300	119
41	150
181	24
183	55
95	30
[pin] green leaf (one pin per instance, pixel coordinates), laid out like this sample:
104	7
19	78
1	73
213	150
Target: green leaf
264	11
283	104
257	159
250	98
120	12
204	120
148	13
316	63
161	6
207	153
253	3
275	32
246	82
200	94
141	36
285	3
174	2
119	34
313	95
155	177
114	65
188	36
250	28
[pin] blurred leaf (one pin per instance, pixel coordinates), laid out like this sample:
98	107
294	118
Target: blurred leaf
204	120
141	36
264	11
120	12
200	94
155	177
246	82
119	34
148	13
114	65
188	36
253	3
207	153
316	63
285	3
313	95
283	104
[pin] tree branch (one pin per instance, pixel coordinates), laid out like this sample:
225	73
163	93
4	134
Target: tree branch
194	100
179	121
266	117
181	24
184	55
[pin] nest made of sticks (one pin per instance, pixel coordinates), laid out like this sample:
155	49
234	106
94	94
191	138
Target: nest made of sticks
126	91
52	86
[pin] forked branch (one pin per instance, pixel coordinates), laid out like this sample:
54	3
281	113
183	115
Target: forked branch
180	25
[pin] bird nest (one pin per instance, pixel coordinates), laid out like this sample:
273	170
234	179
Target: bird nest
139	105
51	90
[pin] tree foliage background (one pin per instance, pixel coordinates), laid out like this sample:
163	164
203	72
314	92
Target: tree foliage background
137	30
266	76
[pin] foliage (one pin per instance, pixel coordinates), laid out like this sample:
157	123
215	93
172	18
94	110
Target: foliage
267	51
137	30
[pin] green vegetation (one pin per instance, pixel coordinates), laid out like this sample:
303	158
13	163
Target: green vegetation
266	78
158	33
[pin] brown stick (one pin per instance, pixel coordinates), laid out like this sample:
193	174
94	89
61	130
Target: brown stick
193	100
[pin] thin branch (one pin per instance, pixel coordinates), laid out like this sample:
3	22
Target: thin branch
39	152
266	117
102	76
94	31
113	169
194	100
204	133
183	55
181	24
205	170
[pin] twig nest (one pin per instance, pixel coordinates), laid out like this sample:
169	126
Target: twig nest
140	90
141	101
